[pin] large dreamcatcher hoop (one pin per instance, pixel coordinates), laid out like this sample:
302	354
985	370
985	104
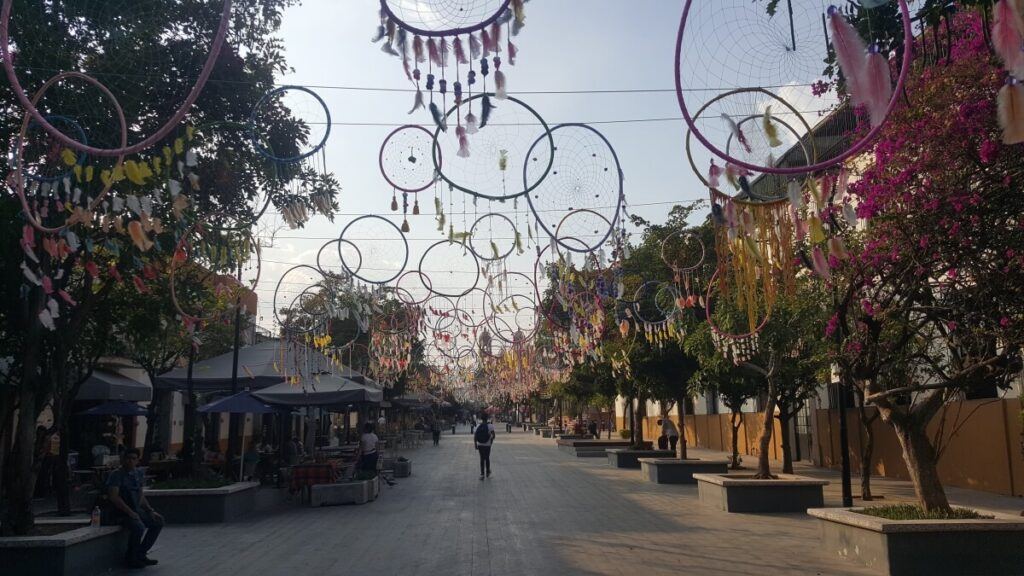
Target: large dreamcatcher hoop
404	160
738	346
495	249
291	151
772	57
374	247
452	287
21	93
499	150
585	174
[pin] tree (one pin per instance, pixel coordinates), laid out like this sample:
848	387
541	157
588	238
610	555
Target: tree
934	293
49	312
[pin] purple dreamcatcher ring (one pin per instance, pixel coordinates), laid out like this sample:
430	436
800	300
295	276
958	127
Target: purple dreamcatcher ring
404	160
123	149
788	67
507	232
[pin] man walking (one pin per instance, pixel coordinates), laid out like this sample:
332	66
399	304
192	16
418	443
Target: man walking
124	490
669	430
483	438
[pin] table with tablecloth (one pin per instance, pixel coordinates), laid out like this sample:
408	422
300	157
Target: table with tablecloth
306	475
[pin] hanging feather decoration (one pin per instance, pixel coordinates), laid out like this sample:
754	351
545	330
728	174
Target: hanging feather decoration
770	131
418	102
795	194
485	37
471	127
737	132
513	51
417	49
379	35
439	119
837	248
499	85
435	56
820	264
714	175
519	16
474	47
463	152
460	54
444	52
1006	37
850	213
877	85
495	37
850	51
1010	103
485	110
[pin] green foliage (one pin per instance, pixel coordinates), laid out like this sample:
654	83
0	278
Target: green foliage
912	512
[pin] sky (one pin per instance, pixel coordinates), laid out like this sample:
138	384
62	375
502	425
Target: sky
592	45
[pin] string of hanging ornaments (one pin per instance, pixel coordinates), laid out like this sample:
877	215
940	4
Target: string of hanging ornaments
448	41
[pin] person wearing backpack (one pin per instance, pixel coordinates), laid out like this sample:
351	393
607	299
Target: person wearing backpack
483	438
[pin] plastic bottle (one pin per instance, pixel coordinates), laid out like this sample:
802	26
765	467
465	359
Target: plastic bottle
95	521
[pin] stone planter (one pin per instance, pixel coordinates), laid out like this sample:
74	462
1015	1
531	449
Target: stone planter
935	547
204	505
627	458
742	493
676	471
591	448
83	551
354	492
403	468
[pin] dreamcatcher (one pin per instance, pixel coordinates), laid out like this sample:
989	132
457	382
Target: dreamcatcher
585	175
441	35
405	161
684	253
783	53
380	244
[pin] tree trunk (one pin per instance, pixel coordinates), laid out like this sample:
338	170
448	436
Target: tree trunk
763	465
632	422
736	420
787	456
866	456
641	419
922	465
681	403
20	518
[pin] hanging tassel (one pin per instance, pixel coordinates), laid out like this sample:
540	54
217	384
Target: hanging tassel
460	54
714	175
737	132
1010	104
1006	38
438	117
471	127
519	16
474	47
435	57
444	52
417	49
820	264
485	110
405	225
418	102
463	142
512	53
850	51
485	36
770	131
495	37
499	85
394	202
877	85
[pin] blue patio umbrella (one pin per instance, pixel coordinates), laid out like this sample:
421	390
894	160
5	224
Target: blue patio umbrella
116	408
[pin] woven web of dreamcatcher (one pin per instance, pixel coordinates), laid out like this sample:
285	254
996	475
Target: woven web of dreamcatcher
785	54
585	174
405	158
154	67
383	249
498	151
444	17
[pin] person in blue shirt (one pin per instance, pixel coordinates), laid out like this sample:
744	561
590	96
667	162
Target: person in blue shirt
124	489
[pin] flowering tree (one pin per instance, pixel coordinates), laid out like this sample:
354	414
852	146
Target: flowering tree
932	301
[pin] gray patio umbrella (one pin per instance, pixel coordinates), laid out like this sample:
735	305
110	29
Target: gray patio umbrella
320	390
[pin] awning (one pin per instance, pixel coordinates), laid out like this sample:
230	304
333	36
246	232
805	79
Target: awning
411	399
322	390
259	365
241	403
106	384
116	408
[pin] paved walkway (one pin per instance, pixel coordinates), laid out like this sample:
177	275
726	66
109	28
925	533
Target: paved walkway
543	512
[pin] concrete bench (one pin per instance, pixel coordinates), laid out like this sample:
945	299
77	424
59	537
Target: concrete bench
81	551
676	471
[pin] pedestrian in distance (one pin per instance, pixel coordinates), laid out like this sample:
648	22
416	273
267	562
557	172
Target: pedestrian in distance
483	439
124	491
669	431
435	431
